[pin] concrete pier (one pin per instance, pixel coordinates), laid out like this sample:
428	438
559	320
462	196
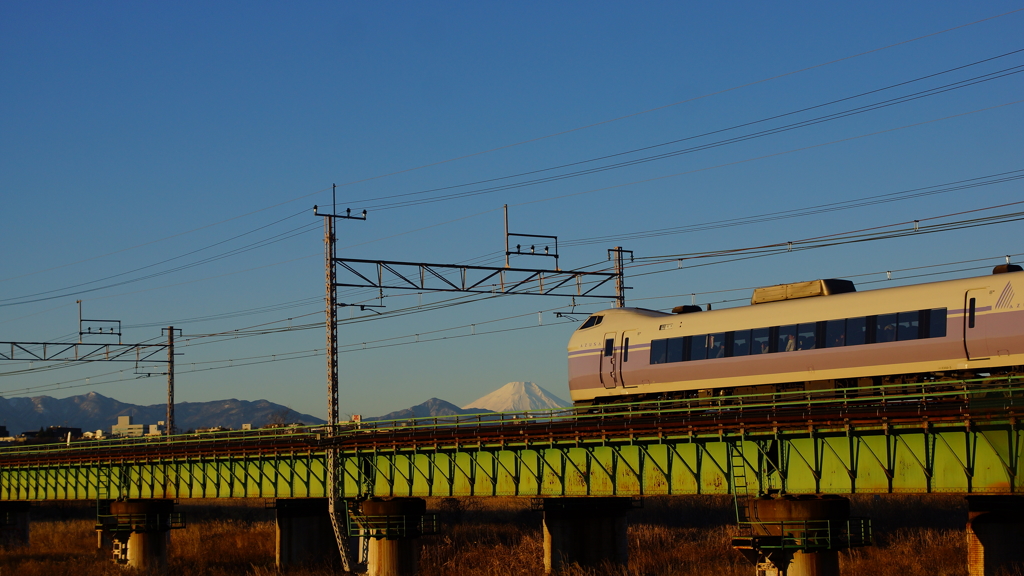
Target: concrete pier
585	531
14	524
305	535
796	509
995	534
397	554
142	533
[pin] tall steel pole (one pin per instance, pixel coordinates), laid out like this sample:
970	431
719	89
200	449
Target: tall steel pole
332	324
340	532
620	291
170	381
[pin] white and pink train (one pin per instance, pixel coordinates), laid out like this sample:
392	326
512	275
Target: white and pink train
812	335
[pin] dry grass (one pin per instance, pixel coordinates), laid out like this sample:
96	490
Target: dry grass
917	536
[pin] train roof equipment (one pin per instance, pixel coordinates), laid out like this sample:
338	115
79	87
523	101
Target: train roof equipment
781	292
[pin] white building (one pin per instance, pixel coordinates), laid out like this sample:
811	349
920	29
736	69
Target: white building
124	427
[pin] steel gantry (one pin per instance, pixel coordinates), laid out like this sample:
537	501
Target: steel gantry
75	352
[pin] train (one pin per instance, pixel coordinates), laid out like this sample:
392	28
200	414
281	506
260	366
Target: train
813	335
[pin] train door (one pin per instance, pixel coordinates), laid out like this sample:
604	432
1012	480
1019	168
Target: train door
609	370
976	324
624	357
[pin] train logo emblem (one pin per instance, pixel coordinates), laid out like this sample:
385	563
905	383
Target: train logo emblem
1006	298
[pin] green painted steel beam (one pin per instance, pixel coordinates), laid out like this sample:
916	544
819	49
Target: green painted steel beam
643	449
278	476
921	458
936	458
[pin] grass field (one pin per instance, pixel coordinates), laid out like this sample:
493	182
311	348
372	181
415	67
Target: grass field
916	536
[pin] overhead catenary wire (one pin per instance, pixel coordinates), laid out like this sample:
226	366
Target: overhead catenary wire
698	148
547	136
41	296
25	299
363	346
959	185
766	156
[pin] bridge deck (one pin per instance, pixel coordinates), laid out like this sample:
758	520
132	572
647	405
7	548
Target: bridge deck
952	437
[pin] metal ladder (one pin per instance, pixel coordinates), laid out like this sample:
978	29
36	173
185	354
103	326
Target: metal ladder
740	489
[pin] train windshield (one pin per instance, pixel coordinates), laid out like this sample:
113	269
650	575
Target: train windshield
592	321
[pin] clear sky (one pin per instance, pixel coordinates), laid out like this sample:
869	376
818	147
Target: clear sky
160	161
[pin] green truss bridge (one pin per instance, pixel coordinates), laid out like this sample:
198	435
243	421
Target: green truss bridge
933	437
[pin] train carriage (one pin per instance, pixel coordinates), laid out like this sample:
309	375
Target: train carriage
811	335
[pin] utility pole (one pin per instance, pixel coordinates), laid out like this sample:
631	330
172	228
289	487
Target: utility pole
620	287
331	300
332	324
169	425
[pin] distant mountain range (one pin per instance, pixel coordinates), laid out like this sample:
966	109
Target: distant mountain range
94	411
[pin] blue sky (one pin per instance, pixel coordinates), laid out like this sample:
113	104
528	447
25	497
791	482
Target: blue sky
136	138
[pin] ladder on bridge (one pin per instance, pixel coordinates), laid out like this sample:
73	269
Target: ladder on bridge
740	488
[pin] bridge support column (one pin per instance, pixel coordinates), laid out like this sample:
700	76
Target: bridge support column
813	523
141	533
14	524
304	532
398	526
587	531
995	534
104	542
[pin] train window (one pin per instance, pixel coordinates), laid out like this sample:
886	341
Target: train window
698	348
625	350
658	355
760	341
592	321
937	323
674	349
907	325
716	345
807	336
856	331
970	313
835	333
609	346
885	328
741	343
787	338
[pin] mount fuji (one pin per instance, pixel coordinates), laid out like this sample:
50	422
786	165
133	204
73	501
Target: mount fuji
518	396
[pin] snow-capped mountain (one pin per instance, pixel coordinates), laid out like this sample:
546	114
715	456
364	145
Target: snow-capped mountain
518	396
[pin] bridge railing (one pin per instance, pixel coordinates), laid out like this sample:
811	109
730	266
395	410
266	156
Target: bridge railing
392	526
805	535
140	522
990	393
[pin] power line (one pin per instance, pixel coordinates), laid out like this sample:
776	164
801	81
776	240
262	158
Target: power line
767	132
539	138
679	102
766	156
40	296
959	185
